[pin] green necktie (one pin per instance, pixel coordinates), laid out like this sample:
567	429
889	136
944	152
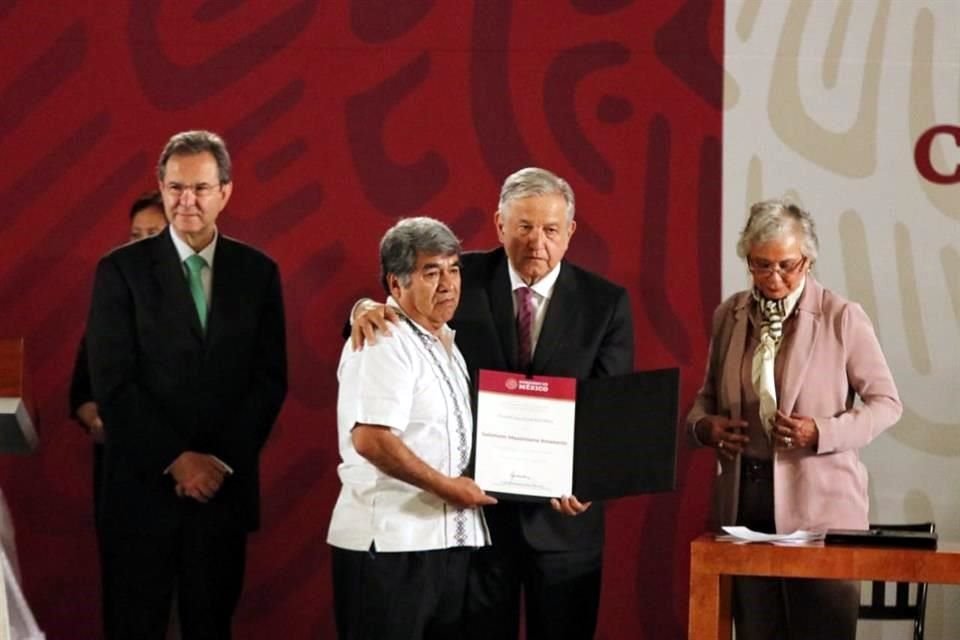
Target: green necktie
195	265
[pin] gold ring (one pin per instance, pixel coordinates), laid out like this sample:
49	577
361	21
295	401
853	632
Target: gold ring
788	441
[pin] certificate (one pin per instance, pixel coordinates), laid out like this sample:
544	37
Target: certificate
525	426
525	444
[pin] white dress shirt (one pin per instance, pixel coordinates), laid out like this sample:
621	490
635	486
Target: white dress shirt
411	383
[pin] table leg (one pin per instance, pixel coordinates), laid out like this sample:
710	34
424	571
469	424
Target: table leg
710	600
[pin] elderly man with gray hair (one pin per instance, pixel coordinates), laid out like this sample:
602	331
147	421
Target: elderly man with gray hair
407	520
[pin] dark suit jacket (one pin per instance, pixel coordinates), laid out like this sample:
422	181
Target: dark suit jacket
163	387
80	390
587	333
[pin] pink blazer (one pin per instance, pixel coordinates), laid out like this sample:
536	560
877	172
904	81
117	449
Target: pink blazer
833	356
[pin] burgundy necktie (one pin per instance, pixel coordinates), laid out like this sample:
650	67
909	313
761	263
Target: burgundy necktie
525	326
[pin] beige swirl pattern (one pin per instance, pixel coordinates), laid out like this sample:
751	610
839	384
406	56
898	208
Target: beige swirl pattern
825	101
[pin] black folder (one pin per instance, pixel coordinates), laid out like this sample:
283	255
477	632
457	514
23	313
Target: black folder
625	440
882	538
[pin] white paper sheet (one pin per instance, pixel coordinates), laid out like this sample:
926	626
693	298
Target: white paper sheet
800	536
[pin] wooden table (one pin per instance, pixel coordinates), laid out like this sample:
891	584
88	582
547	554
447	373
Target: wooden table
713	562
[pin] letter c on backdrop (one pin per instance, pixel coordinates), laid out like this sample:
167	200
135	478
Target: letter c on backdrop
921	154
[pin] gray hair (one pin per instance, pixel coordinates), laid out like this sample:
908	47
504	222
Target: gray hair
190	143
772	219
404	241
534	181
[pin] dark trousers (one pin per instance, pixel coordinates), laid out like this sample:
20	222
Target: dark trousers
202	559
561	589
410	595
97	477
786	608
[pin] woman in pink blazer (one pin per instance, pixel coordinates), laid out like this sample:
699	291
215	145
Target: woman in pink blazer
787	360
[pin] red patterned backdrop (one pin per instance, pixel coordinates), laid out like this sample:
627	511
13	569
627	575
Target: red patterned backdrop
341	117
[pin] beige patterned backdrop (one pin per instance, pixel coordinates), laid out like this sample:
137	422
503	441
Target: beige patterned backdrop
851	107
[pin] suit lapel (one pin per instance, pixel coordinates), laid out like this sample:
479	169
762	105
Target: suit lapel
801	346
501	306
173	283
227	290
733	359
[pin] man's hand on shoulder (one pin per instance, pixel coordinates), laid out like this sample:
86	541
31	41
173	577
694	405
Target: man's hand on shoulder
198	475
368	319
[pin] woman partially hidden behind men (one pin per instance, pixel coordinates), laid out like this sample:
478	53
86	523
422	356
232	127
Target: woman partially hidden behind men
787	359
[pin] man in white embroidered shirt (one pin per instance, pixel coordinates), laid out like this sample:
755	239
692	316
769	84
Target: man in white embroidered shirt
406	519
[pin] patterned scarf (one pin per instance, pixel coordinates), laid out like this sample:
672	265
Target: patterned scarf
772	315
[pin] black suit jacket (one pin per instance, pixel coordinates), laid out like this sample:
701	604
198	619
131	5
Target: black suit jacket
587	333
163	386
80	390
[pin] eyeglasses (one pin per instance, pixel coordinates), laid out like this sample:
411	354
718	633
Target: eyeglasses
766	269
200	190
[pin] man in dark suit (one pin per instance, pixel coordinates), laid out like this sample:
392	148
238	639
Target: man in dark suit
188	366
146	219
579	326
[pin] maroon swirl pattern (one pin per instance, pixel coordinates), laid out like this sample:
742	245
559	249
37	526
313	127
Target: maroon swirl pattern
342	117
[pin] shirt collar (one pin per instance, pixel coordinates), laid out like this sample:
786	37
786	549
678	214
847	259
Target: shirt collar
542	287
790	302
447	334
185	251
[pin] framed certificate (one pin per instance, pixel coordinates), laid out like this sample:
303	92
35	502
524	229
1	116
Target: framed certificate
544	437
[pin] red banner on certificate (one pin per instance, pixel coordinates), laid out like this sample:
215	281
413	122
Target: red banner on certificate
538	386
